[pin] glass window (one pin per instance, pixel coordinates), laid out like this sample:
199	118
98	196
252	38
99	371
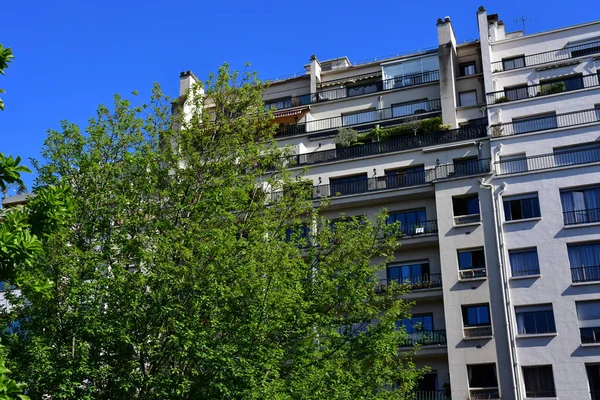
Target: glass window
534	124
539	381
513	164
411	108
349	184
593	373
585	262
409	220
468	98
513	63
516	92
278	104
477	315
412	273
581	206
417	323
521	208
575	155
471	259
410	72
532	320
465	205
551	86
524	262
588	314
482	376
359	117
467	69
405	176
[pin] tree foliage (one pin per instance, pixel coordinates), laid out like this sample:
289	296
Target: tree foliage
6	57
186	271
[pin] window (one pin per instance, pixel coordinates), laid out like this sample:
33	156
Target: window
410	108
513	164
483	383
360	117
597	106
588	314
300	234
551	86
534	124
513	63
362	89
428	382
476	315
465	166
467	69
278	104
468	98
466	209
349	184
581	206
524	262
539	381
575	155
535	320
585	262
471	264
585	49
417	323
412	274
593	374
405	176
409	220
521	207
516	92
410	72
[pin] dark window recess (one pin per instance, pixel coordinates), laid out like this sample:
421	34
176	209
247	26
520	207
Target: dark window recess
539	381
478	315
417	323
349	184
586	52
407	218
513	63
471	259
533	124
466	205
523	208
593	373
408	273
535	320
482	376
428	383
516	92
467	69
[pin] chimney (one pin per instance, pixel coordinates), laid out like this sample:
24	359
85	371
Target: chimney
315	73
448	66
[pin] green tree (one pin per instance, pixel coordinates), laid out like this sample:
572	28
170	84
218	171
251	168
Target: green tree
187	271
6	57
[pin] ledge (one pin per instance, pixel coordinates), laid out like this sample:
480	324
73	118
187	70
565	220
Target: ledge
546	96
479	337
481	278
585	283
460	78
590	344
467	225
536	335
582	225
516	278
468	142
514	221
543	132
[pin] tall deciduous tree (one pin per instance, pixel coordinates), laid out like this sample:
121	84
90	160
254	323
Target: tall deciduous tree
196	266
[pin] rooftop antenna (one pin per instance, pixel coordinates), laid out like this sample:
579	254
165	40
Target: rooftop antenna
522	21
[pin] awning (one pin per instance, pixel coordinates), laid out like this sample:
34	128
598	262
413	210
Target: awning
288	113
290	116
351	79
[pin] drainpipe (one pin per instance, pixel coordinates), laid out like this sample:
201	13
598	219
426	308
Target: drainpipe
512	350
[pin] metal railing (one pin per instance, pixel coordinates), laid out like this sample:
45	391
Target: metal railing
549	161
359	118
474	273
418	228
546	122
466	219
432	395
425	338
585	216
542	89
548	56
484	393
417	282
585	274
398	181
404	142
471	332
353	90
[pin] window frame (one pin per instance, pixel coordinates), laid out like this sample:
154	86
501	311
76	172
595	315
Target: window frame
468	197
460	101
463	67
529	272
512	59
424	265
352	113
535	206
541	314
465	315
538	393
520	121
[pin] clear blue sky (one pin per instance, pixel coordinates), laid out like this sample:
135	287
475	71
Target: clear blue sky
73	55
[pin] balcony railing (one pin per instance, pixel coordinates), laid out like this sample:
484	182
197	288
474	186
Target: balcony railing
400	143
360	118
474	332
543	89
432	395
549	161
425	338
585	274
474	273
585	216
484	393
417	282
418	228
399	181
467	219
547	122
549	56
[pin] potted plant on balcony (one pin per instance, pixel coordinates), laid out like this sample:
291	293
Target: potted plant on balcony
557	87
419	229
501	99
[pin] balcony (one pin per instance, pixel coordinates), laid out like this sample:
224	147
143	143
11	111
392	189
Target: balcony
565	53
367	117
475	273
484	393
354	90
543	89
432	395
548	122
477	332
585	274
418	282
405	142
557	159
425	338
418	228
586	216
